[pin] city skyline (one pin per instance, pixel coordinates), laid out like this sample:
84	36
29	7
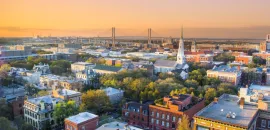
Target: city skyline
210	18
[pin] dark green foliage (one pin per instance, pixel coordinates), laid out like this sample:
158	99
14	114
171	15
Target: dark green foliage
224	57
60	66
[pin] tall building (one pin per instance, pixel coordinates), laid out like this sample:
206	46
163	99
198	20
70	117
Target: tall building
268	37
193	46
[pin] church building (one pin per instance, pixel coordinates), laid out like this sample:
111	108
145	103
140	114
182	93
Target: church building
179	66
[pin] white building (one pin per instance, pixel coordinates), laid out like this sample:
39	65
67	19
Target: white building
38	111
87	76
146	56
180	66
257	94
115	95
68	95
81	66
226	73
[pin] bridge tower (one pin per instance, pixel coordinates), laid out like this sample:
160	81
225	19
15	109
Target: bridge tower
149	35
113	36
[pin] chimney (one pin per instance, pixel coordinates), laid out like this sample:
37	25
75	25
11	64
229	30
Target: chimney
238	67
242	103
262	105
216	100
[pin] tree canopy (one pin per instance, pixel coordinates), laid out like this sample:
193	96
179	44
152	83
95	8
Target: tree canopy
96	101
63	110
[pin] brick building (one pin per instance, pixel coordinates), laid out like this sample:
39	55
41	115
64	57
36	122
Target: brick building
199	58
17	106
243	59
136	114
82	121
263	55
167	114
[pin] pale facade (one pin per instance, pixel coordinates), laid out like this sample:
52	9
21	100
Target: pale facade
226	74
38	111
81	66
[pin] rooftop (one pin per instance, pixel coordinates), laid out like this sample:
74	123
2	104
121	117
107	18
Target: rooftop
112	91
165	63
81	117
107	68
117	126
67	92
46	99
225	68
229	104
260	87
82	63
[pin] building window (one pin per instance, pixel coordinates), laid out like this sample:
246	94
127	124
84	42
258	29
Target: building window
157	122
263	123
163	116
152	120
163	124
173	118
83	128
157	115
168	117
167	124
268	124
153	113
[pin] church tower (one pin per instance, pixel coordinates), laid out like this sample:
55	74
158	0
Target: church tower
193	46
180	55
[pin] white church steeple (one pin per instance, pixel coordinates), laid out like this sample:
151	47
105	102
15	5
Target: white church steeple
180	55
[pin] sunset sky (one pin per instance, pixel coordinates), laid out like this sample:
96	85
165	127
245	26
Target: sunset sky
200	18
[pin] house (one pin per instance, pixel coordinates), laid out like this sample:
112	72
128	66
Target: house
39	111
136	114
68	95
115	95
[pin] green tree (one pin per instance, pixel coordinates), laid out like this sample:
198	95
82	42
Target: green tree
210	94
96	101
5	124
5	110
42	93
4	68
224	57
64	110
184	124
226	88
191	83
60	66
